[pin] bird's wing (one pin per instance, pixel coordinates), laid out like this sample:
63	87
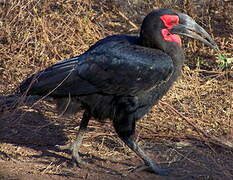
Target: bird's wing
58	80
116	66
125	69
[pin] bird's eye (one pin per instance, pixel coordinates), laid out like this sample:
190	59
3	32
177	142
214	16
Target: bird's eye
169	20
173	21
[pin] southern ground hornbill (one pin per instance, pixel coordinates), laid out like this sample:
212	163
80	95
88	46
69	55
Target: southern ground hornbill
121	77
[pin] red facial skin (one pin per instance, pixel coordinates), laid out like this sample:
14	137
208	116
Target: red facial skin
170	21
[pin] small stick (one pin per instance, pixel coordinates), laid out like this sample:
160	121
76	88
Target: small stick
213	139
127	19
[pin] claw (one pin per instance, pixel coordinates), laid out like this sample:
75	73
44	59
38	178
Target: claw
65	147
163	172
75	146
76	160
159	171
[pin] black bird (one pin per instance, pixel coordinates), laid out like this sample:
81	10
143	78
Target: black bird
121	77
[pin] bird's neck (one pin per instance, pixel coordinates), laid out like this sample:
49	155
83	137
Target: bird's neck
173	49
176	52
177	55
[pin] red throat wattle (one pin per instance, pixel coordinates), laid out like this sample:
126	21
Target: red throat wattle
170	37
170	21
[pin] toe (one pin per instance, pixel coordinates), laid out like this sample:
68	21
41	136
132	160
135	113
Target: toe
159	171
78	162
65	147
162	172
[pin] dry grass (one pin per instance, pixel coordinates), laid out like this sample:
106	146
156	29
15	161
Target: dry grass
36	34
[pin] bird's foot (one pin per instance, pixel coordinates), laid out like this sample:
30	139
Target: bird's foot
65	147
156	170
76	160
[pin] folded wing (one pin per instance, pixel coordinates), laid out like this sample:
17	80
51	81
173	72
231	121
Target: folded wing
114	66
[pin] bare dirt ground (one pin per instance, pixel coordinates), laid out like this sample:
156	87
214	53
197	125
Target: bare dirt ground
189	132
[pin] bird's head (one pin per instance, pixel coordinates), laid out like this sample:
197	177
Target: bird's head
162	28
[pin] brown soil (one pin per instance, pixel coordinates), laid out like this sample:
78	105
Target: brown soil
28	152
189	132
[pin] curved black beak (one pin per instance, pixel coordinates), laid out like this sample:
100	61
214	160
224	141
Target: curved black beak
188	27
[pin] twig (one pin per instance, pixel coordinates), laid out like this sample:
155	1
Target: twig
209	72
100	134
212	139
146	135
127	19
185	118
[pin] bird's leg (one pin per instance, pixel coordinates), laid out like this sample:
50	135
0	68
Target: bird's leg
149	164
125	130
75	146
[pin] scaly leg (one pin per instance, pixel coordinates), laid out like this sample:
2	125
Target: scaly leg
75	146
125	129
